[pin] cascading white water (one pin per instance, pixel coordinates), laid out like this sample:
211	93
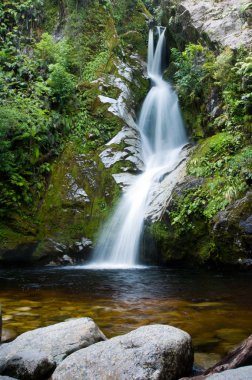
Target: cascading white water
163	137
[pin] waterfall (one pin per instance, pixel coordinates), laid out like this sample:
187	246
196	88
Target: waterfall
163	136
150	50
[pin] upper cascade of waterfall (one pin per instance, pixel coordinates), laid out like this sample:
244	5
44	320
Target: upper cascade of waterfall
154	66
160	120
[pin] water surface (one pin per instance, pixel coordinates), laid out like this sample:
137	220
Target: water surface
216	309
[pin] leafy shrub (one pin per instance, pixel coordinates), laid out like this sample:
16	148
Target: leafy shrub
96	67
214	153
191	72
61	83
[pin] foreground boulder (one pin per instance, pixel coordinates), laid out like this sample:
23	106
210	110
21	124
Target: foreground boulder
35	354
150	352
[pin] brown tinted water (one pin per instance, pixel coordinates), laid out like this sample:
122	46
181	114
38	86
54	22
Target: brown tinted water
216	309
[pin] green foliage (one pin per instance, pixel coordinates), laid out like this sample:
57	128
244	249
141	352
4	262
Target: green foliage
214	154
97	66
31	131
224	159
191	72
45	49
204	202
61	83
46	97
229	74
122	10
30	136
226	169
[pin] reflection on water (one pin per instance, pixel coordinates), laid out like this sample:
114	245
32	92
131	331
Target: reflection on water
215	309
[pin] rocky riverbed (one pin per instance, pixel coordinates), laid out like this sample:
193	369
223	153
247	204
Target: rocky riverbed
77	349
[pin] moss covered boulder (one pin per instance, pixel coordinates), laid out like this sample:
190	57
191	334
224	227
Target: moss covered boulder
232	230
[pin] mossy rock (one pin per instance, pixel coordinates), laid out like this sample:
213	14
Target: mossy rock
17	242
78	198
232	231
171	246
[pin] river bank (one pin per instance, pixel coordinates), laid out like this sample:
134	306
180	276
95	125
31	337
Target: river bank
213	307
77	349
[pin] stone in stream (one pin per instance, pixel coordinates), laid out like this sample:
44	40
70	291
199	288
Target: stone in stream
34	354
151	352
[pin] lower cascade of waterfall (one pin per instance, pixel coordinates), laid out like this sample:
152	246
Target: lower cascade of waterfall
163	137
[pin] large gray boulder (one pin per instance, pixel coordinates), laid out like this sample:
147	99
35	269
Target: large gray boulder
221	23
35	354
151	352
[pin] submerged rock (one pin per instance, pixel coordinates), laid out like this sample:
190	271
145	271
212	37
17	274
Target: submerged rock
150	352
36	353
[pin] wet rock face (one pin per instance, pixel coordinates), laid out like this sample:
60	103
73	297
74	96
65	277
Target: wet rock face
35	354
151	352
219	23
233	227
246	225
123	154
161	192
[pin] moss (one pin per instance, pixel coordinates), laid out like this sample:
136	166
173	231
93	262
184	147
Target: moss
231	239
191	247
206	250
217	145
67	218
194	122
51	15
10	238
